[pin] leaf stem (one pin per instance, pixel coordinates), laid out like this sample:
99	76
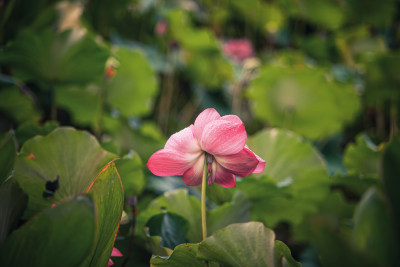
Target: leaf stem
203	200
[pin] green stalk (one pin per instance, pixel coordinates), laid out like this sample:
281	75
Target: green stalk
203	200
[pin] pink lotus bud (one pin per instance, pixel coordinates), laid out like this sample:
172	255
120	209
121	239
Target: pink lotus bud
238	49
161	27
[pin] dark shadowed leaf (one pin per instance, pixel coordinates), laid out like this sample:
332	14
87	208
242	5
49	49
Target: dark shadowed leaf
179	202
331	241
374	230
27	131
374	13
12	205
382	81
18	106
8	151
391	178
355	185
336	208
59	236
171	227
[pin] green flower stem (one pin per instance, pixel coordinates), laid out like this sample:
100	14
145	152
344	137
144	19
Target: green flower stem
203	200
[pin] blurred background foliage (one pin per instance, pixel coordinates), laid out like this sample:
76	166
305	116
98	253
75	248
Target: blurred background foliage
315	82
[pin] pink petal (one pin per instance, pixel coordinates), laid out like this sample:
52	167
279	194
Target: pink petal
232	118
203	119
116	253
184	141
224	178
110	263
222	137
168	162
241	164
260	166
194	175
261	163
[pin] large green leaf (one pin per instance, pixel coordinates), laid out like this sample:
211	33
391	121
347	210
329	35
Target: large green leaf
62	235
362	158
71	156
8	151
108	197
374	230
18	106
134	85
171	227
12	205
296	179
390	176
179	202
72	56
244	244
302	99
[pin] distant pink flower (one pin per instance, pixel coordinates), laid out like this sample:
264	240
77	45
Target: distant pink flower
115	253
161	27
238	49
221	139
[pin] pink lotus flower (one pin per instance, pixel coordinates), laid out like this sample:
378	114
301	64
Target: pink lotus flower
161	27
222	140
238	49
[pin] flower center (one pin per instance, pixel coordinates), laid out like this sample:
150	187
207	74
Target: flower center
211	168
210	159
